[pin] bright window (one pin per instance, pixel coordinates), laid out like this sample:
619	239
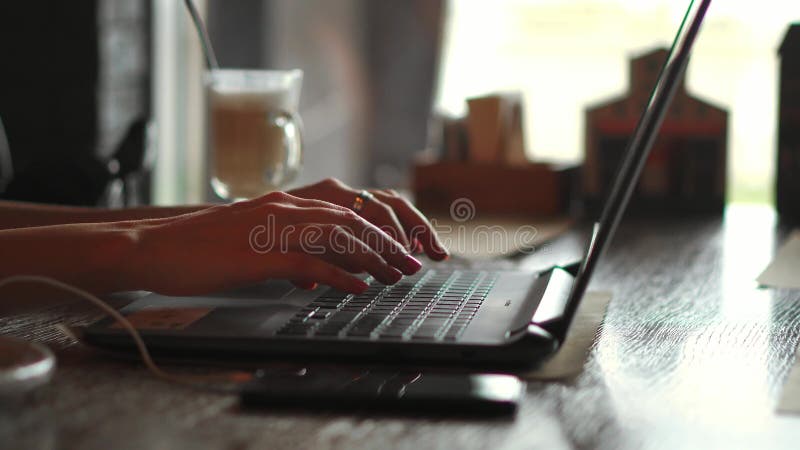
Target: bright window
565	55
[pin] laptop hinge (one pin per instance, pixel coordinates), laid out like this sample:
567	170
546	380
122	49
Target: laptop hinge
555	296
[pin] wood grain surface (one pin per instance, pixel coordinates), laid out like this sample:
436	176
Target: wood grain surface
693	355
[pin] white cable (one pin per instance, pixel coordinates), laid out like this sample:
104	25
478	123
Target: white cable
193	380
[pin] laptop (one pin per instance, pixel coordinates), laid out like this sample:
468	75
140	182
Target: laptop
441	315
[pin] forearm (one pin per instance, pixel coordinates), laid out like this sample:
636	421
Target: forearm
21	215
100	258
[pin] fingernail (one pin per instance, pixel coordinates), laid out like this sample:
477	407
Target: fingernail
412	265
395	275
359	286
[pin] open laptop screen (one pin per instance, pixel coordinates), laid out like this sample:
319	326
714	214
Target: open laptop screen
638	149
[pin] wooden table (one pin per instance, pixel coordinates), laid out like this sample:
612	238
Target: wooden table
692	354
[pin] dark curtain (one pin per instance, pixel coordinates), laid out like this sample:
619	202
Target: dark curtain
75	82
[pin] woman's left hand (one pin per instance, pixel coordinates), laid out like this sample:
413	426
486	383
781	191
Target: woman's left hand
387	210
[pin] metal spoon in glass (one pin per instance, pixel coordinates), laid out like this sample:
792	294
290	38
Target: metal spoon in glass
202	33
250	156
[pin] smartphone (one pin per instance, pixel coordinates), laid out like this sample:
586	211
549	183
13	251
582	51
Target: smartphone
338	388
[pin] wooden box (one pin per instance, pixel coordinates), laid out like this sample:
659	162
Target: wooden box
495	188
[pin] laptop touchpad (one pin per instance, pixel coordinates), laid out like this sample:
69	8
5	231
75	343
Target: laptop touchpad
255	321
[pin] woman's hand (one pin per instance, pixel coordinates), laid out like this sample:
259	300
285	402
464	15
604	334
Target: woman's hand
387	210
279	236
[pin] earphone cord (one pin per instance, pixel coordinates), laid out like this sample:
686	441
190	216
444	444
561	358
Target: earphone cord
206	382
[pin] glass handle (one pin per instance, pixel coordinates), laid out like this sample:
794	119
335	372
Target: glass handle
292	127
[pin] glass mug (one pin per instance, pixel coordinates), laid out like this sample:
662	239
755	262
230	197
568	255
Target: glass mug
255	133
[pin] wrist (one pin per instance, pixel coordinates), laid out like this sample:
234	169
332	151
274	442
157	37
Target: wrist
133	262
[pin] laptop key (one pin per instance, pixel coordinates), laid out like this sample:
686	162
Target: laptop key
343	316
359	333
291	332
422	307
424	335
320	315
446	304
433	321
327	332
330	307
393	331
369	320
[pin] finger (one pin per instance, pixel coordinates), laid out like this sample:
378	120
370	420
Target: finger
388	248
384	217
306	285
307	268
334	244
418	246
314	203
374	211
417	225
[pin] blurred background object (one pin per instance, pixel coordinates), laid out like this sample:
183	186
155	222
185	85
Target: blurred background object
788	178
564	55
75	82
77	75
254	143
686	169
370	69
6	166
494	129
482	158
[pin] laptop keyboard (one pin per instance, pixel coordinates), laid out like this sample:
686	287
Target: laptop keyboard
433	305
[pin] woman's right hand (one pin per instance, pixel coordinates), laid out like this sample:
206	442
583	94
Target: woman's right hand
274	236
